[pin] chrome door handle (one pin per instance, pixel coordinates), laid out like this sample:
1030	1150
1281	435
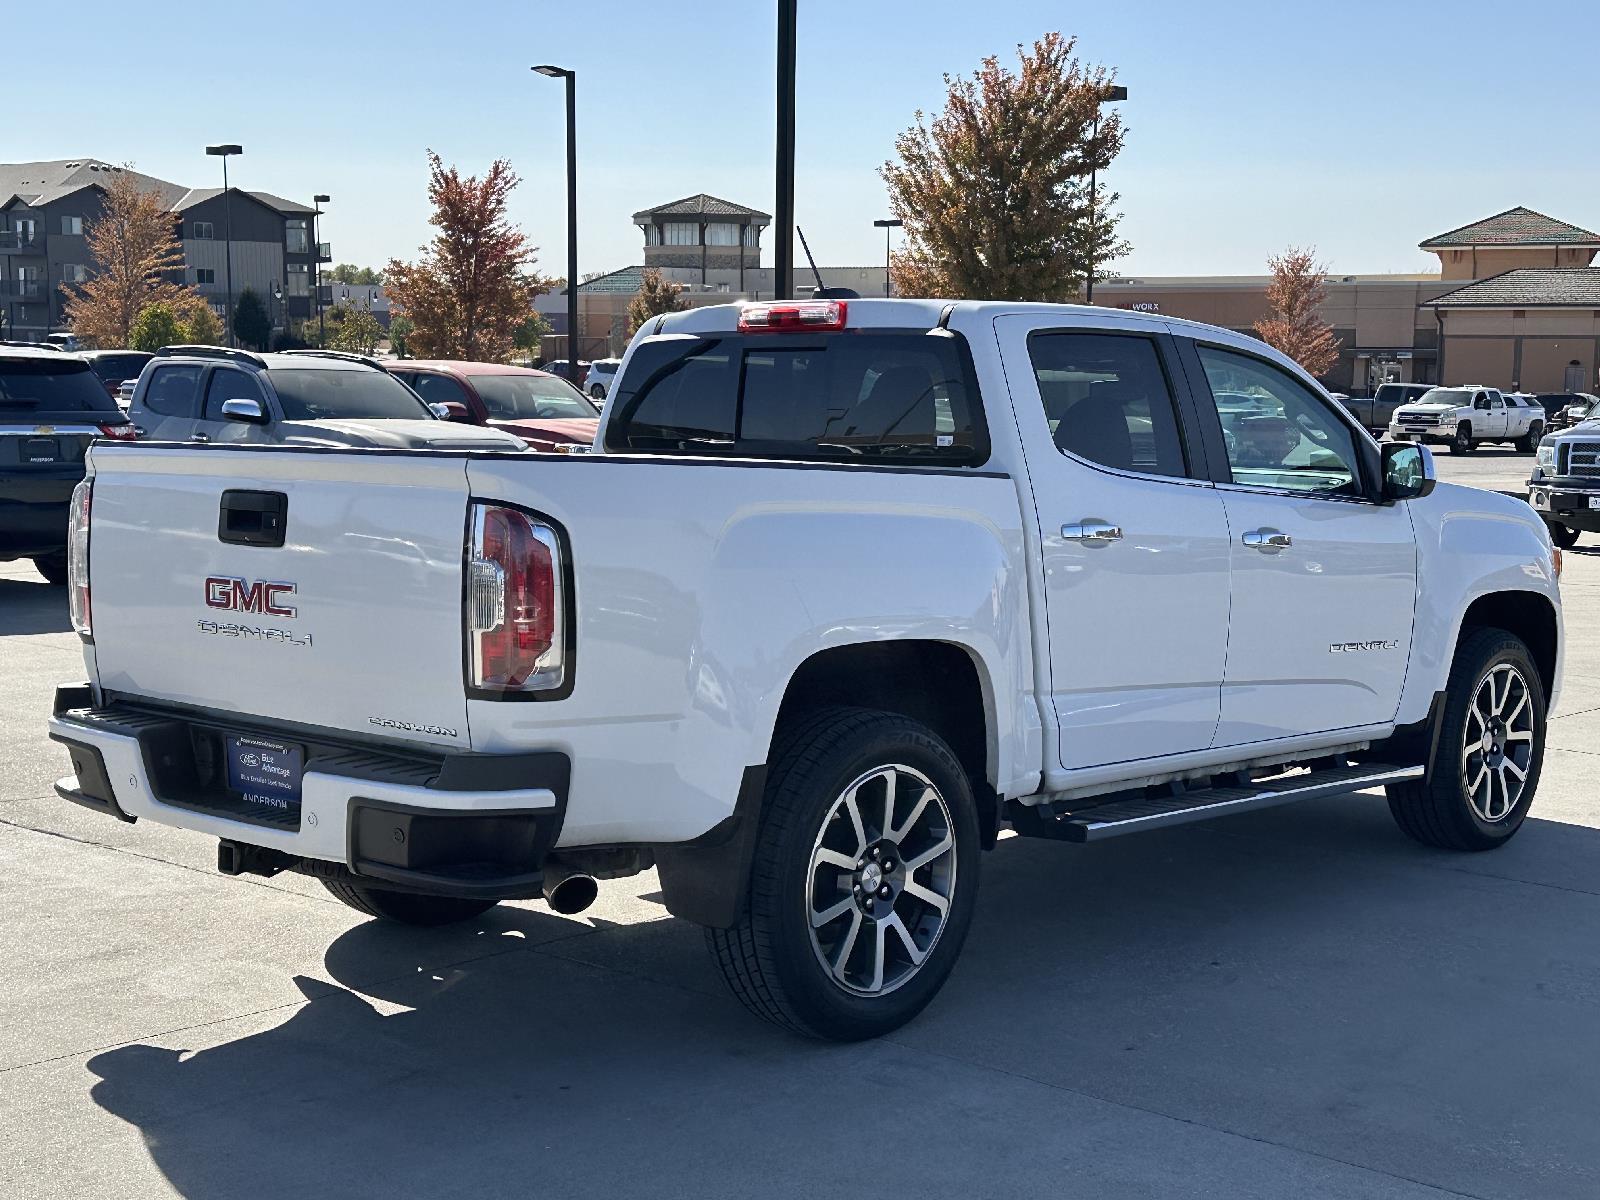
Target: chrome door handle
1095	532
199	437
1268	541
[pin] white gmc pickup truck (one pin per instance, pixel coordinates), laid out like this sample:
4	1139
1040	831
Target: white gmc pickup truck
1466	417
846	589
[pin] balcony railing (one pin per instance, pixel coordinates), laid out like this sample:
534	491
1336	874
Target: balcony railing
21	289
324	252
19	241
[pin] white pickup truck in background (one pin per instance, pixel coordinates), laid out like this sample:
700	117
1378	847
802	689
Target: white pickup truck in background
1465	417
846	589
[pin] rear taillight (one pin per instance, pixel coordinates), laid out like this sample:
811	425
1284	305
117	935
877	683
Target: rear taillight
802	316
515	607
122	433
78	559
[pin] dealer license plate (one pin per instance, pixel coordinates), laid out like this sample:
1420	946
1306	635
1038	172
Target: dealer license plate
265	773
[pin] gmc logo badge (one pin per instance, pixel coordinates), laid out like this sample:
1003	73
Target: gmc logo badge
239	595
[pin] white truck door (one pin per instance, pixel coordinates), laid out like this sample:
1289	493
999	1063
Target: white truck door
1324	581
1499	418
1134	543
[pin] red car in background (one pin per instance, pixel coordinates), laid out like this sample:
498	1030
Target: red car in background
544	410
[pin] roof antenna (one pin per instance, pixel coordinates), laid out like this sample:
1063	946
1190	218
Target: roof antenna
823	292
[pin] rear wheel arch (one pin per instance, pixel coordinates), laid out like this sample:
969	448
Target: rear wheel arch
944	685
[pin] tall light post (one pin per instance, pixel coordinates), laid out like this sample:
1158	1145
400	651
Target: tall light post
1114	93
783	207
227	227
572	212
886	224
317	202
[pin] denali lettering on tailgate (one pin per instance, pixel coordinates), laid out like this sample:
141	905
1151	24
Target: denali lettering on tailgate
240	595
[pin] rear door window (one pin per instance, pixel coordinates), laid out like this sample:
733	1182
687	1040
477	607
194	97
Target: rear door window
903	397
174	391
1108	401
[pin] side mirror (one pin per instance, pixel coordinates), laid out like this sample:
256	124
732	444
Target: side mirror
451	410
1408	472
244	410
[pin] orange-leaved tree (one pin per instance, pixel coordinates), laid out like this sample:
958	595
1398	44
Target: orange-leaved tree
1297	293
473	284
135	257
995	192
656	295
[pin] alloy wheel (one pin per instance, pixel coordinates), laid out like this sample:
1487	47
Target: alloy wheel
1497	744
880	881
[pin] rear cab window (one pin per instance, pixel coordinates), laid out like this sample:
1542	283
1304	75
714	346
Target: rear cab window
864	396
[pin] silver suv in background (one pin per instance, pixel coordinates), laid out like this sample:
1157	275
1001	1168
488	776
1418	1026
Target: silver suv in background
298	397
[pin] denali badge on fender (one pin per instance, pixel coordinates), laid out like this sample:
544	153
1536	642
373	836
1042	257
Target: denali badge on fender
239	595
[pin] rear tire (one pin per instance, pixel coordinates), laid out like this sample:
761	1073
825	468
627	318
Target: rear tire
407	908
53	567
1490	750
1462	443
1529	442
1562	535
834	839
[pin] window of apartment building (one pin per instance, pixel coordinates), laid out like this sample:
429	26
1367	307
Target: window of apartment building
751	235
74	273
26	227
205	274
297	279
296	240
72	225
201	230
722	233
652	235
681	233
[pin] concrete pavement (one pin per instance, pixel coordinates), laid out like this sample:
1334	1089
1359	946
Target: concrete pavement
1296	1003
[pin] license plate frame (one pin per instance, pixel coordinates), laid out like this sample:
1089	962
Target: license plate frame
265	773
1594	501
37	450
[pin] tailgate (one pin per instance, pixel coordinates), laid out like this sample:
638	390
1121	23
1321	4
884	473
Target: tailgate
353	623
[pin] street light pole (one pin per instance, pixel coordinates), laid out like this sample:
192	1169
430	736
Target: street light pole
227	229
886	224
1115	93
783	221
572	212
316	260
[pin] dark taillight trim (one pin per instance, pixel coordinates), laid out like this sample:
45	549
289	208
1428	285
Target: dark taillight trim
569	607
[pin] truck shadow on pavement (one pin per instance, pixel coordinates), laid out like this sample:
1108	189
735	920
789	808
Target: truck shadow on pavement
27	606
1303	979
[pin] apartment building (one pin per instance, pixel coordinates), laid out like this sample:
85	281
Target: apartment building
45	208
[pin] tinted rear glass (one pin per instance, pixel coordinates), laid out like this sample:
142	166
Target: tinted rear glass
28	386
530	397
313	394
114	368
853	397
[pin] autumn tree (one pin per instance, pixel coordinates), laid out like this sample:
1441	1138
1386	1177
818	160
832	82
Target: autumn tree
656	295
474	282
135	256
251	324
1295	326
995	191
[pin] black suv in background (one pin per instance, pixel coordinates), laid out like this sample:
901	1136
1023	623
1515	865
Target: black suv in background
52	405
112	367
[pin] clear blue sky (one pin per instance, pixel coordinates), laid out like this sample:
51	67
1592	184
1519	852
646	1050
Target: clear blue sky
1358	127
